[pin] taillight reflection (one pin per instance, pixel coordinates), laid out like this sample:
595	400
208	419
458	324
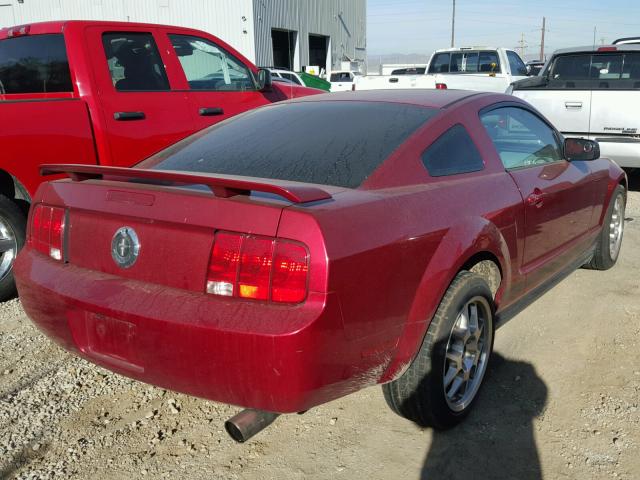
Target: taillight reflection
46	234
259	268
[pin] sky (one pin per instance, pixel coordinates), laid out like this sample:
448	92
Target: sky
421	26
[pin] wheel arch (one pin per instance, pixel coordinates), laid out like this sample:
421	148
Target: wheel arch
476	242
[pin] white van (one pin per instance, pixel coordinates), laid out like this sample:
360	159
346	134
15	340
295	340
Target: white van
592	93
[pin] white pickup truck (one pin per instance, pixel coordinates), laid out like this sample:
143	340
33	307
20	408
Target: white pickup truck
592	93
467	68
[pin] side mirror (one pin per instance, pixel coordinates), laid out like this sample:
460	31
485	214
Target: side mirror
264	80
581	149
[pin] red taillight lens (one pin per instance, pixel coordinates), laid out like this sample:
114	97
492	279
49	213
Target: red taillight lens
47	230
290	270
223	267
259	268
441	86
255	268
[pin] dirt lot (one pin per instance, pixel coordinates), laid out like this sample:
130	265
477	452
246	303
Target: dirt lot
561	401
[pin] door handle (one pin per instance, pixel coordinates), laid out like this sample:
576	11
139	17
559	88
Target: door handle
573	105
393	80
211	112
536	199
125	116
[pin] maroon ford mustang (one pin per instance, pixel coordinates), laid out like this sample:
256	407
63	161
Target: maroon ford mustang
306	250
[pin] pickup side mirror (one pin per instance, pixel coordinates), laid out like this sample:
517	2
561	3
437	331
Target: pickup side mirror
581	149
264	80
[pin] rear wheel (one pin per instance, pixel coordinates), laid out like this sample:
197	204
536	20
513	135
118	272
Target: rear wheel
12	235
610	239
441	385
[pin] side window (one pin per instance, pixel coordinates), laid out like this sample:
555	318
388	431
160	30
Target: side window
134	62
516	64
453	153
521	138
570	71
291	77
489	63
34	64
439	63
208	67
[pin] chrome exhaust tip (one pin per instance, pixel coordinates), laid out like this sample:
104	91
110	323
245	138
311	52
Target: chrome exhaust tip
247	423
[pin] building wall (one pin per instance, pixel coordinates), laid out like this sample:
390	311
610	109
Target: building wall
230	20
344	21
244	24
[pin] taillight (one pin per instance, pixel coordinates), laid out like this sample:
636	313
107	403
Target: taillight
259	268
46	234
441	86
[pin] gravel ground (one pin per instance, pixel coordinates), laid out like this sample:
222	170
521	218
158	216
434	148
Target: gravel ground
561	401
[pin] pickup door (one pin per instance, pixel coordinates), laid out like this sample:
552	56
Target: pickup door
156	87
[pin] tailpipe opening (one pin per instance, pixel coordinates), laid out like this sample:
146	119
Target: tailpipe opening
247	423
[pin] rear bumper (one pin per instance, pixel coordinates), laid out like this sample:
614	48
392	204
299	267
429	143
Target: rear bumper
276	358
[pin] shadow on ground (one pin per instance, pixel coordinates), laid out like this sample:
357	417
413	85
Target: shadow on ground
497	440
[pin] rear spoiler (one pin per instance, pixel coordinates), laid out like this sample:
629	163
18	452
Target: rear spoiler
221	186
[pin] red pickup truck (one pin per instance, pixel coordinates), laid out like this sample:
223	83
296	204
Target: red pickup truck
109	93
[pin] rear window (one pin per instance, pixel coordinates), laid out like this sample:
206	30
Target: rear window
465	62
615	70
329	143
34	64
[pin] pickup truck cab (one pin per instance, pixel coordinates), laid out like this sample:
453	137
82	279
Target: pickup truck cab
592	93
465	68
109	93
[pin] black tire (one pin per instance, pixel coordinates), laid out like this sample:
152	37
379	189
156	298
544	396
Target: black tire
602	257
14	218
419	394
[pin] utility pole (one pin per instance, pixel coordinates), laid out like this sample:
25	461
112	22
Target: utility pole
594	37
523	45
544	27
453	24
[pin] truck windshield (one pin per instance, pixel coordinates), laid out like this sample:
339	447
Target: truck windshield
336	143
34	64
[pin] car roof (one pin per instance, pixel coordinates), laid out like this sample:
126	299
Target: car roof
474	47
599	49
57	26
439	99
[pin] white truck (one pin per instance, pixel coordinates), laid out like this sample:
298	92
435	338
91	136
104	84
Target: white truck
592	93
467	68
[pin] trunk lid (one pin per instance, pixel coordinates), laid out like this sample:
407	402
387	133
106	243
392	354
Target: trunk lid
174	225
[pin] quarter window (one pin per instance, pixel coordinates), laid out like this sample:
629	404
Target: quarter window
134	62
452	153
521	138
34	64
208	67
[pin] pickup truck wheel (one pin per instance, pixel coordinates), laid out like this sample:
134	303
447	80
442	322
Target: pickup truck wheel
12	235
441	385
610	239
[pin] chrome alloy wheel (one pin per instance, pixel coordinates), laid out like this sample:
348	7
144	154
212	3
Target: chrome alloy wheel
467	353
8	247
616	227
